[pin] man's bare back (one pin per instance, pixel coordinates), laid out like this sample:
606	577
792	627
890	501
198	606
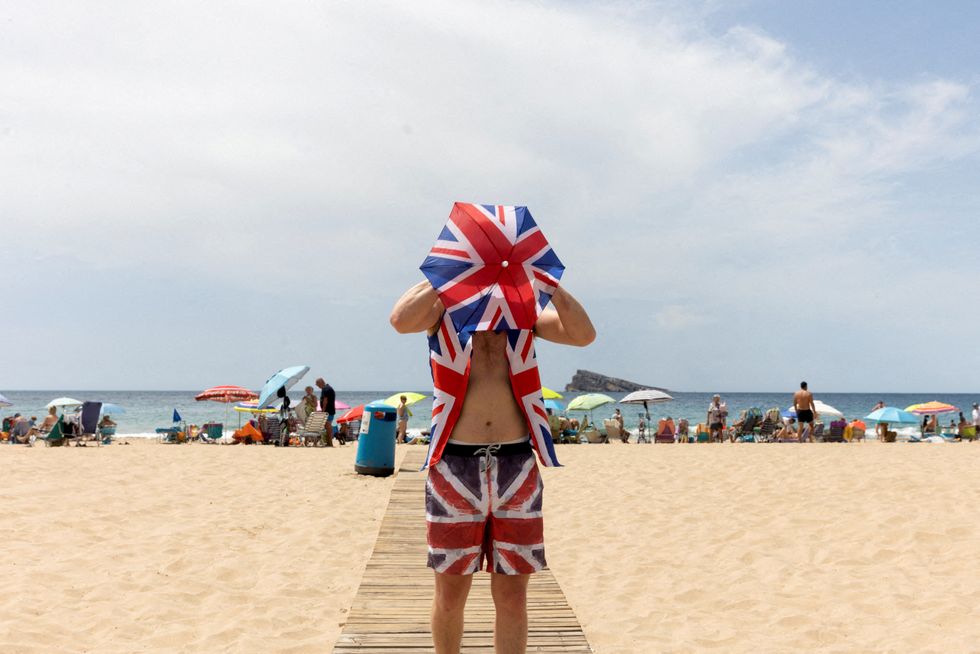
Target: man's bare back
490	412
803	399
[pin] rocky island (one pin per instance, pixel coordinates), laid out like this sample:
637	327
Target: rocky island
592	382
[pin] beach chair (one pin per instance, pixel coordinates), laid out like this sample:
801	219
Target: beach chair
89	422
591	435
55	437
665	431
753	416
818	431
313	429
836	433
613	430
767	428
969	433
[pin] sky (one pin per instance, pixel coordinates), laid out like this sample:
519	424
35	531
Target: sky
745	194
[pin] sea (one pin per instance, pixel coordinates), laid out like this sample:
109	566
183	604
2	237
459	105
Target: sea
147	410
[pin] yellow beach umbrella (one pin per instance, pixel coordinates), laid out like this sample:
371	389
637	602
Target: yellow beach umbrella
931	408
550	394
410	398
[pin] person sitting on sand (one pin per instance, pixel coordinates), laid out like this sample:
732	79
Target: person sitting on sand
788	431
47	424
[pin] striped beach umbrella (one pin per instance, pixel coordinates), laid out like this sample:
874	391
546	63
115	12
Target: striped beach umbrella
226	394
931	408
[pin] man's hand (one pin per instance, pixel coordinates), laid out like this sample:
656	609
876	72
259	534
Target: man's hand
418	310
568	324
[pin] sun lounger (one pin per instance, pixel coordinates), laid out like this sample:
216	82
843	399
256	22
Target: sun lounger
665	432
613	430
314	428
591	435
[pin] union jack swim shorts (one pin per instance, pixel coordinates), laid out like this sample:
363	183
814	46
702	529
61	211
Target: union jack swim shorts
483	511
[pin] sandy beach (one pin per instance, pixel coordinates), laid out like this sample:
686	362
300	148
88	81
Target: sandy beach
732	548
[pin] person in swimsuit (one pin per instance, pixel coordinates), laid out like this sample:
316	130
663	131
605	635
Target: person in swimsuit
486	464
806	412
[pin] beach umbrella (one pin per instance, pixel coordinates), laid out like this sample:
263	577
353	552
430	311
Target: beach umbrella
226	394
112	409
823	409
285	378
931	408
893	416
589	402
252	406
395	400
353	414
554	405
646	397
5	402
492	267
62	402
549	394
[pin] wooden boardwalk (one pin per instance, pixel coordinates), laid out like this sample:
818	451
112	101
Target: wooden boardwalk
391	610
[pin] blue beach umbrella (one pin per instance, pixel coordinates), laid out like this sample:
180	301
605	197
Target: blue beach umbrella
554	405
893	416
285	378
112	409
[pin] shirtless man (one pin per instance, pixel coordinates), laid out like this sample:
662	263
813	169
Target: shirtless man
806	412
490	416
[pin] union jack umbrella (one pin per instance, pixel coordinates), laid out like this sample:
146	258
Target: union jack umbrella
492	267
226	394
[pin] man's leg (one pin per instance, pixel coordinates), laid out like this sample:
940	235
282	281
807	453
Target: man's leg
447	611
510	600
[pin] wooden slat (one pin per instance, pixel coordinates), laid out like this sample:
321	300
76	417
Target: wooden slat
392	607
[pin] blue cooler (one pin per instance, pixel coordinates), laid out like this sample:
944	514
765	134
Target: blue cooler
376	441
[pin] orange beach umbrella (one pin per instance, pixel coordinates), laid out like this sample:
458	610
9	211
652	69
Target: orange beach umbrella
931	408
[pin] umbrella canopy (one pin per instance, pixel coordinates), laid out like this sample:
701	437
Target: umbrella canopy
931	408
354	414
411	398
492	267
285	378
252	406
589	401
549	394
226	394
62	402
112	409
554	405
5	402
340	406
646	396
893	416
823	410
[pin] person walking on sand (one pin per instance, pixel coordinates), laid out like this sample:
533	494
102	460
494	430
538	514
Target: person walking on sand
717	412
328	399
806	412
480	436
401	434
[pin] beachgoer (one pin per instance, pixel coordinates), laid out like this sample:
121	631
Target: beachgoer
401	432
683	430
310	402
105	422
717	413
976	417
788	430
641	430
806	412
328	399
878	432
47	424
618	417
483	437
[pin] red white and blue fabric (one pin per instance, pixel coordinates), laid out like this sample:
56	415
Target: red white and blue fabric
449	359
492	514
494	271
492	267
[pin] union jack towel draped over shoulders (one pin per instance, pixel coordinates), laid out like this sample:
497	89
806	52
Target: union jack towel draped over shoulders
494	271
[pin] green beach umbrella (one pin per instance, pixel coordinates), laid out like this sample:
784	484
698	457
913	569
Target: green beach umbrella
589	402
410	398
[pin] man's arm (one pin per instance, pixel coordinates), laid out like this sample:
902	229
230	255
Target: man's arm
418	310
568	324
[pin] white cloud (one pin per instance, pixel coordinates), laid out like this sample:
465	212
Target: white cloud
319	146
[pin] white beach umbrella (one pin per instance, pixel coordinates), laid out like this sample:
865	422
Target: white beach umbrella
5	402
62	402
824	410
646	397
